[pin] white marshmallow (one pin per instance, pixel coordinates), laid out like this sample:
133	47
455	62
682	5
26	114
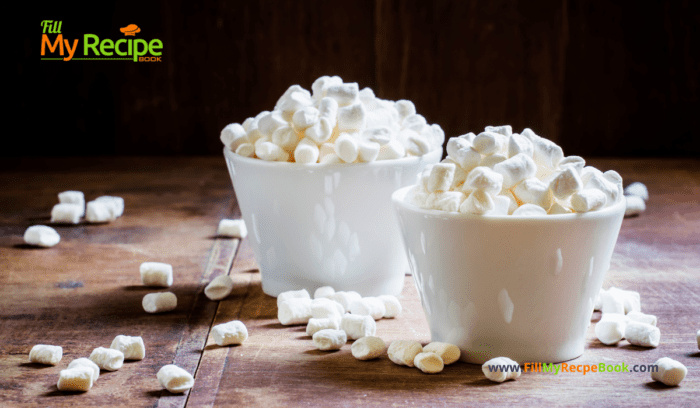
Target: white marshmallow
254	133
455	144
392	150
670	371
329	339
271	152
131	346
448	201
635	316
292	294
501	369
66	213
467	158
232	228
318	324
233	332
516	169
441	176
115	204
306	152
368	151
293	102
306	117
246	150
529	210
599	182
634	205
321	131
246	124
331	158
294	311
405	108
380	135
41	235
351	117
404	352
557	208
86	362
631	299
449	353
479	202
418	145
534	191
565	183
492	160
233	135
325	307
358	326
501	205
391	305
588	199
344	93
98	212
637	189
611	328
346	147
485	179
326	149
368	306
460	175
488	143
324	292
269	122
328	109
512	202
505	130
175	379
286	138
642	334
436	135
107	358
219	287
156	274
159	302
45	354
575	162
598	304
320	86
547	153
520	144
612	302
428	362
368	348
75	379
73	197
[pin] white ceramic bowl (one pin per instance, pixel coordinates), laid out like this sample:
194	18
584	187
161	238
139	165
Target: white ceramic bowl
312	225
518	287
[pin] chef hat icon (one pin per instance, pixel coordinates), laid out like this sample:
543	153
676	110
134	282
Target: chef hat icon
131	29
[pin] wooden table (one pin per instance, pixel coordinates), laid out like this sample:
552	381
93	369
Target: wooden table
86	290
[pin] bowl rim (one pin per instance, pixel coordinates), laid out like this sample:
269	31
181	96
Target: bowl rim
397	198
228	154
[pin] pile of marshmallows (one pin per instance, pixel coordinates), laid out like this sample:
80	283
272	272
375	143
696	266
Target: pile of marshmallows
338	123
498	172
69	210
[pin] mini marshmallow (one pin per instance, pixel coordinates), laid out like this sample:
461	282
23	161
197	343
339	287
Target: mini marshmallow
637	189
99	212
547	153
612	302
391	305
306	152
232	228
324	292
344	93
630	299
519	144
505	130
534	191
635	316
131	346
46	354
331	159
449	353
287	95
478	202
501	206
460	175
294	311
346	298
234	135
488	143
404	352
160	302
447	201
306	117
392	150
346	147
456	144
290	294
41	235
286	138
352	117
512	202
516	169
485	179
405	108
575	162
588	200
233	332
492	160
328	109
529	210
156	274
357	326
611	328
66	213
598	181
496	374
670	371
414	122
368	348
219	287
175	379
380	135
598	304
329	339
565	183
324	307
246	150
467	158
270	121
321	131
86	362
634	205
557	208
320	86
367	151
115	204
428	362
642	334
368	306
418	146
107	358
75	379
440	178
73	197
271	152
316	324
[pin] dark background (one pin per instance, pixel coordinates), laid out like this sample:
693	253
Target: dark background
601	78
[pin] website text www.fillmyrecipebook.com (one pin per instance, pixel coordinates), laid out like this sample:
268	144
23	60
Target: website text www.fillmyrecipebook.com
551	368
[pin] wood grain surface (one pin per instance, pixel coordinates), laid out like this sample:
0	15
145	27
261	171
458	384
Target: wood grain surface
86	290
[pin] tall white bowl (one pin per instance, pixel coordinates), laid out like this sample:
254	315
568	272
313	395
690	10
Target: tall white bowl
522	288
312	225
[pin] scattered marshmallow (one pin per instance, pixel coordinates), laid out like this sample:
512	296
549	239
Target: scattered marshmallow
501	369
635	316
160	302
428	362
86	362
612	303
670	371
637	189
368	306
358	326
449	353
318	324
66	213
73	197
346	298
368	348
156	274
329	339
294	311
219	287
115	205
634	205
107	358
46	354
404	352
324	307
175	379
611	328
99	212
324	292
630	299
232	228
131	346
291	294
75	379
642	334
41	235
391	305
233	332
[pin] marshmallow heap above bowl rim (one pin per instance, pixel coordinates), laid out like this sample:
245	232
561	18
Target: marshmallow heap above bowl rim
335	123
499	173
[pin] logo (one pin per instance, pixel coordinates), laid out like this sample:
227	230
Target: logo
93	48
